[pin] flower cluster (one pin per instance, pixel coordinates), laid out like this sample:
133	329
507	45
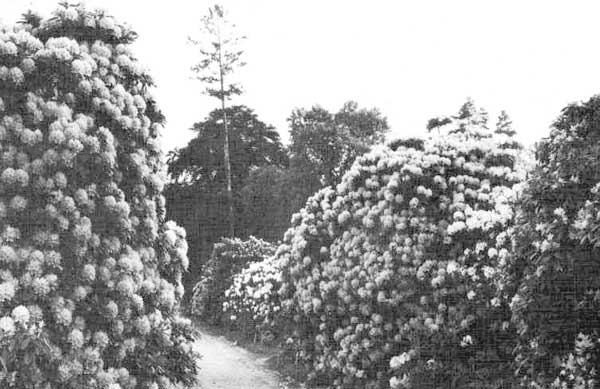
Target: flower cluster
83	243
390	278
228	258
252	302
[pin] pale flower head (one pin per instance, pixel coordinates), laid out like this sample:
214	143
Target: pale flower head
399	360
7	326
20	314
466	341
76	339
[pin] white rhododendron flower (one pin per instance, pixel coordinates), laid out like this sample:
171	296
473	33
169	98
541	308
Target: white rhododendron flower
399	360
466	341
7	326
20	314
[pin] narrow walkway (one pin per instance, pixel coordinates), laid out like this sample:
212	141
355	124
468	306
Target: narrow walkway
225	366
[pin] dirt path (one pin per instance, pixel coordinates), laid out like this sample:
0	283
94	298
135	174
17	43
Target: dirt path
225	366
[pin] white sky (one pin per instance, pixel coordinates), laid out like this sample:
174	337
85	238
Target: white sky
412	59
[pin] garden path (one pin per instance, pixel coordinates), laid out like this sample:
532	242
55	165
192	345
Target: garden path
227	366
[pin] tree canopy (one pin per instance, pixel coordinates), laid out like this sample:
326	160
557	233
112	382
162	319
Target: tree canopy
326	144
196	195
252	144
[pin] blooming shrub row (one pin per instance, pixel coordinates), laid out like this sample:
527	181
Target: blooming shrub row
434	264
229	257
252	301
90	272
391	279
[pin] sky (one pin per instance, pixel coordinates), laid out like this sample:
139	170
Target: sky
413	60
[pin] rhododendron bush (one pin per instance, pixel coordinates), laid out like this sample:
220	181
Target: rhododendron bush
252	301
229	257
391	278
90	272
554	274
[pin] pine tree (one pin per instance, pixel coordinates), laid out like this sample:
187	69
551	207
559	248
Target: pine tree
471	116
504	125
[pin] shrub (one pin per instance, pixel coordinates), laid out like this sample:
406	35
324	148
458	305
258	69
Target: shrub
229	257
90	272
554	274
252	302
390	278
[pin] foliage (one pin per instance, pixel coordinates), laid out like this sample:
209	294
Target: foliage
411	143
437	122
323	146
252	302
228	258
272	194
390	279
268	198
220	52
504	125
196	195
90	272
553	276
253	143
326	144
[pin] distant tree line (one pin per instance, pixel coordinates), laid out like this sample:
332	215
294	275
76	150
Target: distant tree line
270	182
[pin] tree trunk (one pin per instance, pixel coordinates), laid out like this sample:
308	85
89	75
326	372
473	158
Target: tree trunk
228	173
231	229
